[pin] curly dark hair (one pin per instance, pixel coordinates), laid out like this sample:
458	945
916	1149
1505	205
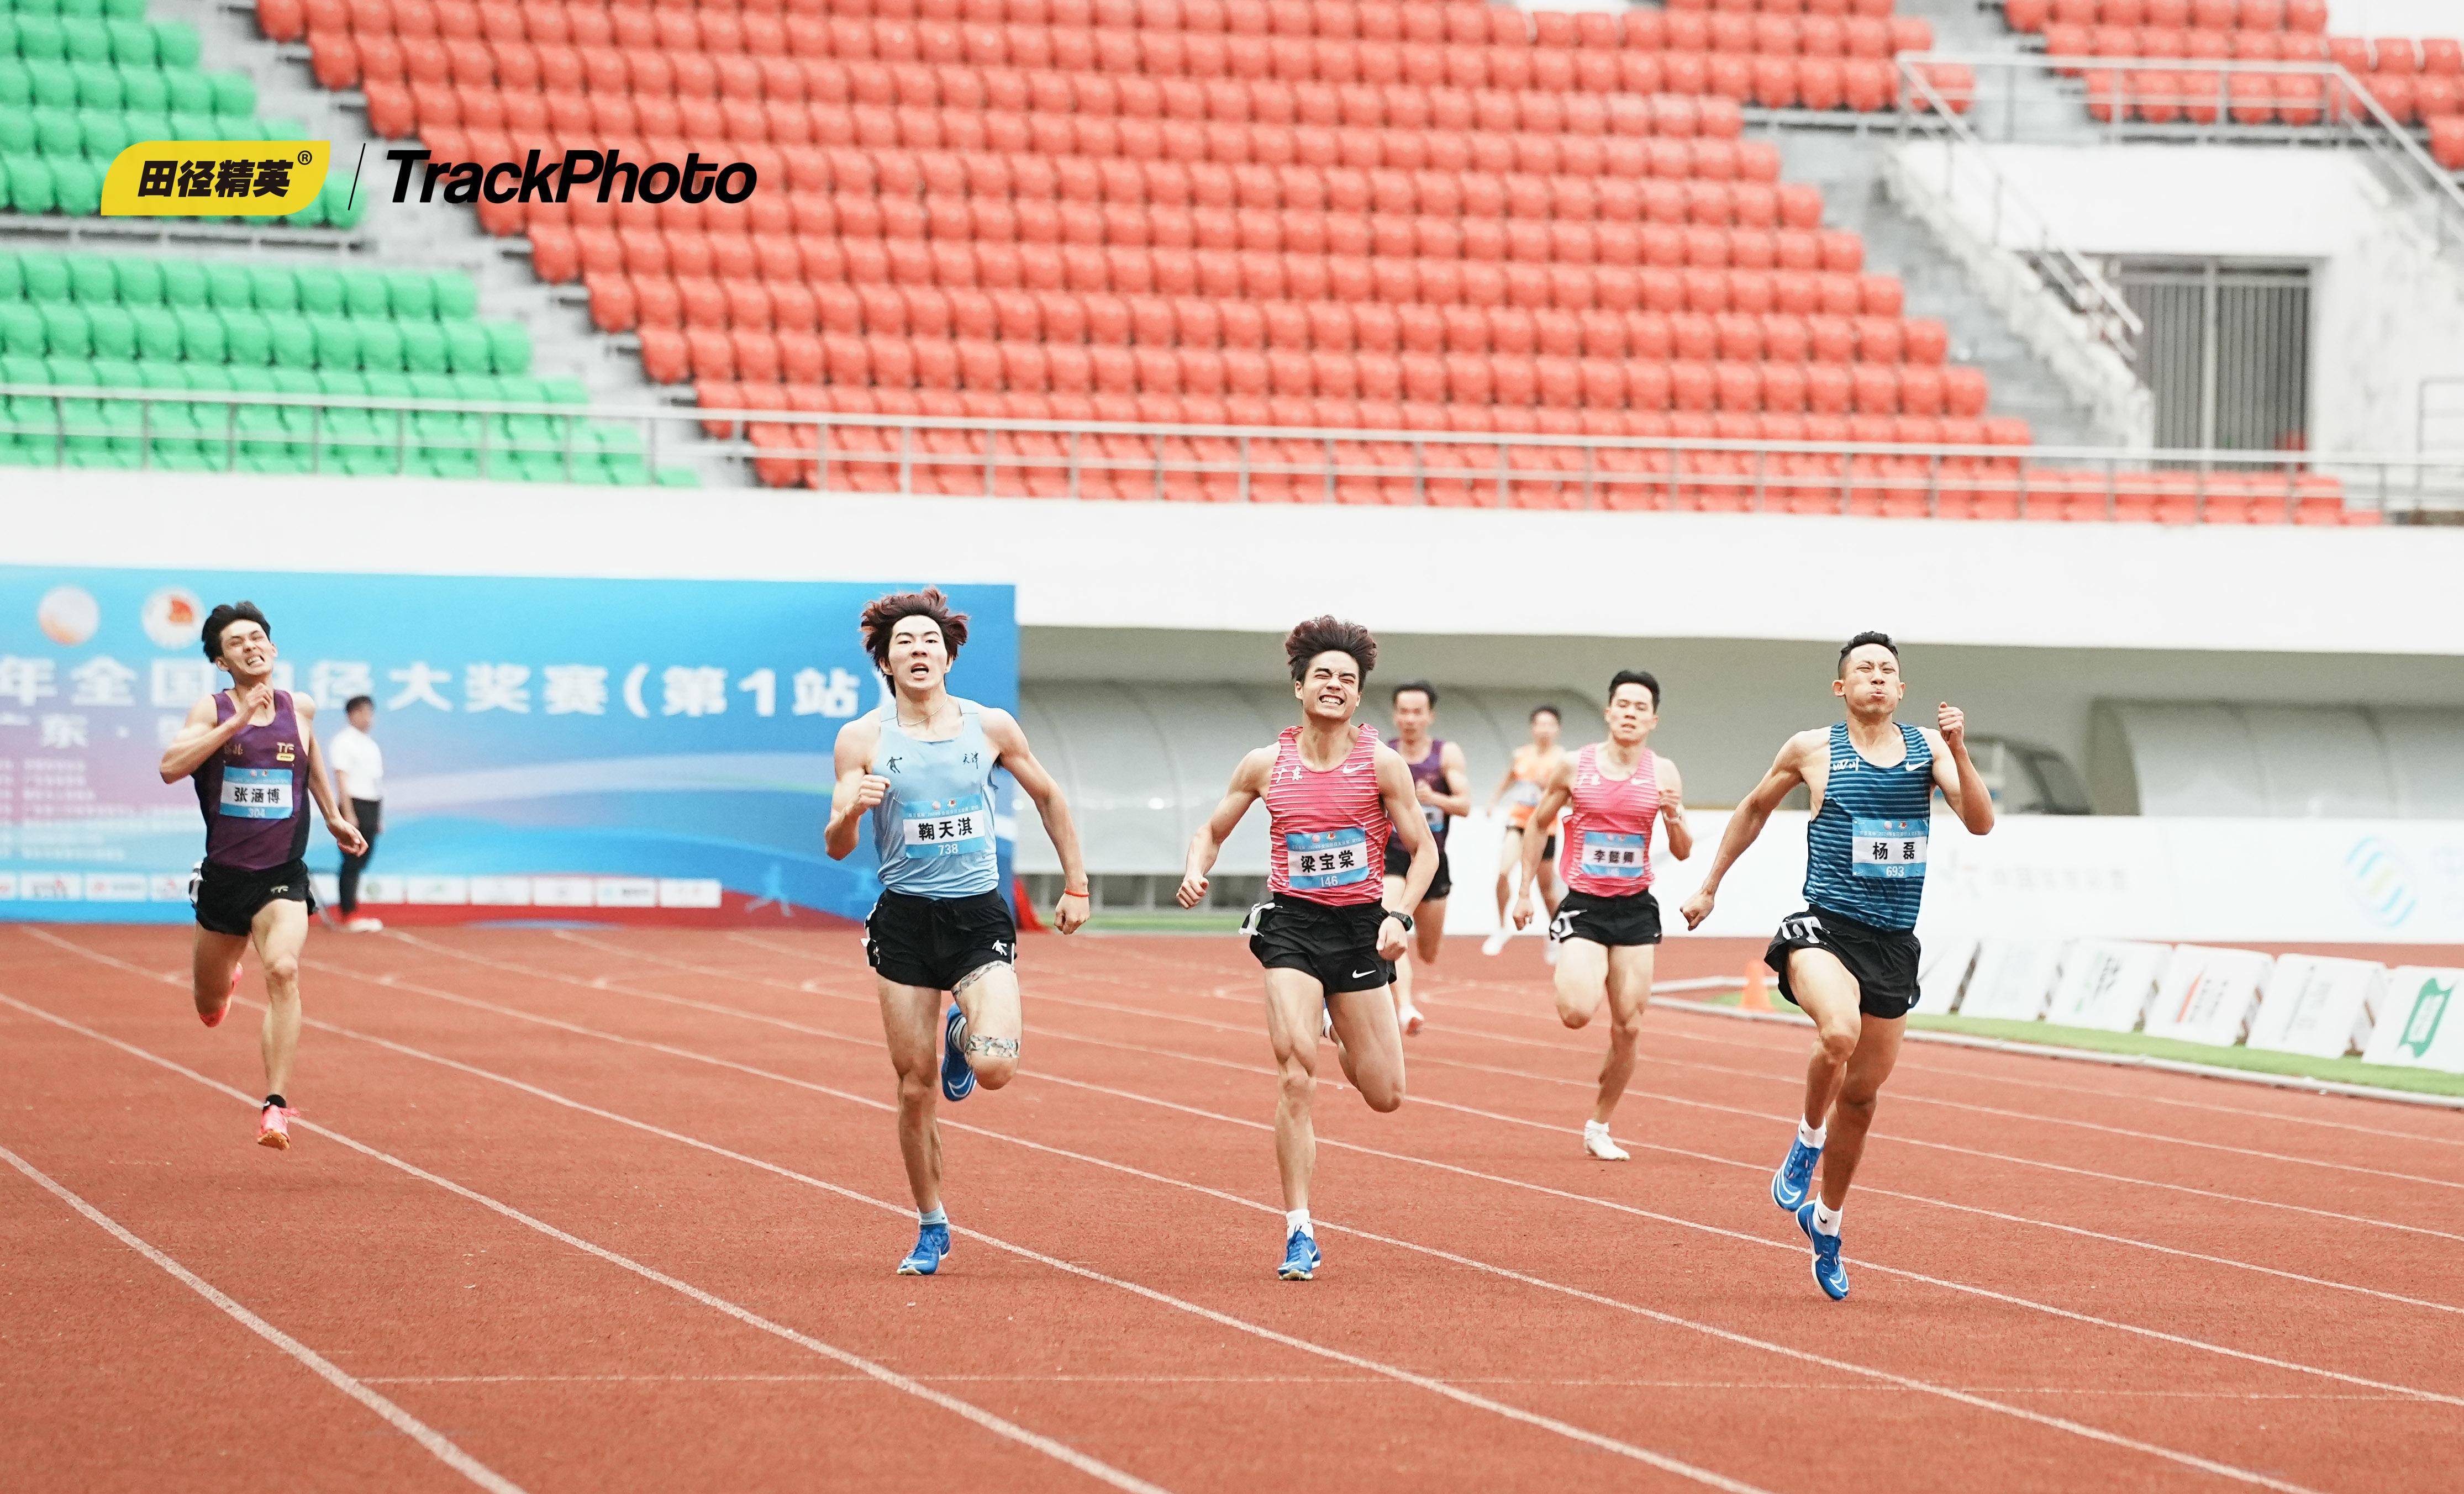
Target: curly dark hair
223	617
883	615
1329	634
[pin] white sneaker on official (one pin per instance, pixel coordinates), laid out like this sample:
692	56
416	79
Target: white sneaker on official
1597	1144
361	923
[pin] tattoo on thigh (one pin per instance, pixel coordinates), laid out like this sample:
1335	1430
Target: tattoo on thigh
996	1047
974	976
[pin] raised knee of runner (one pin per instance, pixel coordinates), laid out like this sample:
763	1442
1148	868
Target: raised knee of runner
993	1059
1385	1096
1839	1040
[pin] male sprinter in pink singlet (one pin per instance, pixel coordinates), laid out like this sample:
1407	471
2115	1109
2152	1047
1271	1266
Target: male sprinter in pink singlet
1606	925
251	749
1334	795
1445	786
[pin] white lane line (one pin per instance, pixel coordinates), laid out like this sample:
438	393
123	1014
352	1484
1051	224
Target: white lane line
999	1426
1445	986
810	987
436	1443
2080	1429
1136	1381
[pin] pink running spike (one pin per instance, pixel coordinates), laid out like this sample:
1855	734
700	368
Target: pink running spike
273	1126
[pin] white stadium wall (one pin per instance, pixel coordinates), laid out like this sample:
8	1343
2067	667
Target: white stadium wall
2387	311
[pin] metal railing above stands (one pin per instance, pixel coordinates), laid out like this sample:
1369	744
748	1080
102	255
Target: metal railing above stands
172	431
2115	100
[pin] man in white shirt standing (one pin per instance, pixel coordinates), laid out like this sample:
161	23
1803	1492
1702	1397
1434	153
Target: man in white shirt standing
359	773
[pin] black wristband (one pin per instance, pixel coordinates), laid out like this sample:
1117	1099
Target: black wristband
1405	919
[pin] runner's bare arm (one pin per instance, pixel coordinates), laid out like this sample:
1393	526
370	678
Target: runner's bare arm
1401	794
1955	775
858	788
1786	771
1505	786
199	738
1248	786
1456	798
1554	798
1672	810
1009	744
338	820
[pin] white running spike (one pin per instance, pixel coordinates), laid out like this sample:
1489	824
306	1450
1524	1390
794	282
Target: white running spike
1413	1022
1596	1143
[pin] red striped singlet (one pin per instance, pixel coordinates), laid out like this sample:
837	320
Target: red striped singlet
1608	828
1327	832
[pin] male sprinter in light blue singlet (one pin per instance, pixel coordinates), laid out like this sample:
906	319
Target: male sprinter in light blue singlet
1850	958
922	767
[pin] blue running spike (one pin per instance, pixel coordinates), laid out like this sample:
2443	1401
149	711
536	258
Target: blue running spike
932	1248
958	1080
1829	1273
1790	1184
1300	1257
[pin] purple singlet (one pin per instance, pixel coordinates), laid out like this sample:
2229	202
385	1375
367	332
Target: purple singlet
254	792
1432	771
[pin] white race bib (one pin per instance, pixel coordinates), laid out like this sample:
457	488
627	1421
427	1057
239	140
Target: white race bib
257	793
945	827
1891	849
1607	853
1314	859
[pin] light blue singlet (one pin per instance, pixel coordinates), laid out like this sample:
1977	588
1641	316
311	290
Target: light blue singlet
1865	848
935	831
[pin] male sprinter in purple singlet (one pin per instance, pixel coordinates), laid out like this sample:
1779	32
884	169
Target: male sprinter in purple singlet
252	751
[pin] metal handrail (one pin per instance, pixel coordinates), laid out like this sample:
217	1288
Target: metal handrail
2108	313
2346	109
1424	466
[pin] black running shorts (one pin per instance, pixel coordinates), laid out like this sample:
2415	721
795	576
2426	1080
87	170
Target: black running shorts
1398	864
936	942
1335	946
1613	921
229	898
1883	960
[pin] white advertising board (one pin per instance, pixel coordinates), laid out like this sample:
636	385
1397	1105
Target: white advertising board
1942	973
2013	979
2107	983
2207	994
2421	1027
2317	1005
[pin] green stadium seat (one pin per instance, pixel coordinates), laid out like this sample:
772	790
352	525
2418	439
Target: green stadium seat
235	124
248	337
457	296
85	39
64	330
336	342
322	291
133	43
56	131
411	294
151	122
344	209
52	85
175	43
16	85
114	331
190	93
13	278
104	134
294	345
157	331
235	93
145	89
40	39
567	389
16	130
119	10
183	283
227	287
202	338
29	184
21	330
380	345
97	85
77	186
274	287
139	279
46	274
509	346
466	348
91	279
423	347
363	293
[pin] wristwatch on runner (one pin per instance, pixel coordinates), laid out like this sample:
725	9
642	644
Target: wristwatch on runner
1405	919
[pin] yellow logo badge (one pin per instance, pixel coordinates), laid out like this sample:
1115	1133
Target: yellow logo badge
218	178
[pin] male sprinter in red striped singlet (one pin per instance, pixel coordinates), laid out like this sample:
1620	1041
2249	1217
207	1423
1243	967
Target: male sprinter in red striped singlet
1443	785
251	749
1606	925
1334	793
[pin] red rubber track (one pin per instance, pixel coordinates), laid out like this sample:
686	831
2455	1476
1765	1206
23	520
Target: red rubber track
622	1209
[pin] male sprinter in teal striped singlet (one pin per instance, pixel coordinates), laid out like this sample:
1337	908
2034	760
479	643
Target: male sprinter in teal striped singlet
1850	958
922	767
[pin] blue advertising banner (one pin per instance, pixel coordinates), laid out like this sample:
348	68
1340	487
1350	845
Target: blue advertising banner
638	751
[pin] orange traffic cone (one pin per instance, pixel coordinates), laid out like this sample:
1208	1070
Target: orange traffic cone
1757	995
1023	902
